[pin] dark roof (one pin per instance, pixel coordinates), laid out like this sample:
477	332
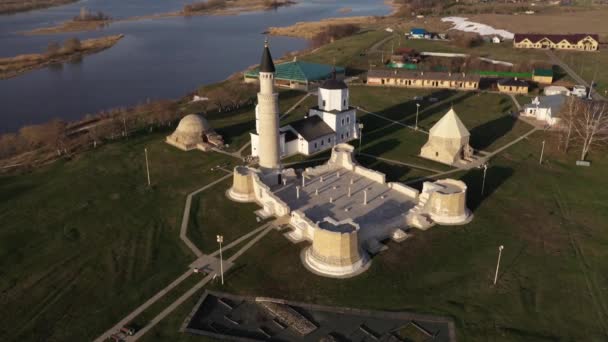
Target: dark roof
311	128
266	65
512	82
290	136
555	38
425	75
333	82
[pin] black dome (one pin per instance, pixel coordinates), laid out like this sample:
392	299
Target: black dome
333	83
266	64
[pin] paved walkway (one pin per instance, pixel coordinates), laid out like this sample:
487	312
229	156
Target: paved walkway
556	60
515	102
183	233
477	163
392	121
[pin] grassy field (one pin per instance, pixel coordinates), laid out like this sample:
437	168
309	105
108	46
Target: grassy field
552	280
589	65
83	242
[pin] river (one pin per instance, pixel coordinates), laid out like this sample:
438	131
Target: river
158	58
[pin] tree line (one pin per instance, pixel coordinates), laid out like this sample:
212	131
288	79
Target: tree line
58	138
584	125
332	33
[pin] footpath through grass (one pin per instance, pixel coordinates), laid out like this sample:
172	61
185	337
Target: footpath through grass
83	242
553	271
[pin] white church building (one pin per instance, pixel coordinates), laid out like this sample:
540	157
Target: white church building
332	121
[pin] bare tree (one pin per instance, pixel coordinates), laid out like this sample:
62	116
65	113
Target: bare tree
591	126
568	116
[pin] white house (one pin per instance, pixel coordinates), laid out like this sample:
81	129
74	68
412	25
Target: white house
496	40
545	108
556	90
330	122
579	91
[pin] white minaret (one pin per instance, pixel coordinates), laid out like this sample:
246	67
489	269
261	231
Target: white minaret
268	116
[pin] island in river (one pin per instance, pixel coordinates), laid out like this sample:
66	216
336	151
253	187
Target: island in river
72	49
211	7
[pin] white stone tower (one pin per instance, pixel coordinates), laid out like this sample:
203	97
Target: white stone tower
268	116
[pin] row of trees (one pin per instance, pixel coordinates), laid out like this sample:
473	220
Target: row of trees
204	6
85	15
332	33
60	138
69	46
585	125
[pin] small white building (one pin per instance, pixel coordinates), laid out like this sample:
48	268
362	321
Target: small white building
579	91
556	90
496	40
332	121
545	108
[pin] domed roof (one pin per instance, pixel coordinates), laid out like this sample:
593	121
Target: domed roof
334	84
193	124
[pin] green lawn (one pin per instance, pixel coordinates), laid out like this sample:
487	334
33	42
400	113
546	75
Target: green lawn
589	65
83	242
553	272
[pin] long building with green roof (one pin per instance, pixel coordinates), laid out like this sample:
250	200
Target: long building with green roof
298	74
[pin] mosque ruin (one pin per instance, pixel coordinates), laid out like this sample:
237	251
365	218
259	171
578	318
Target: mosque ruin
344	209
194	132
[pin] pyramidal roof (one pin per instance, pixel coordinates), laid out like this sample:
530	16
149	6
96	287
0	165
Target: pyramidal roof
449	126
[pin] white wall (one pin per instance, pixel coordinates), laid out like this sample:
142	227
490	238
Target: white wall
333	99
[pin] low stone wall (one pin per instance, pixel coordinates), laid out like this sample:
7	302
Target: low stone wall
304	226
404	189
376	176
271	203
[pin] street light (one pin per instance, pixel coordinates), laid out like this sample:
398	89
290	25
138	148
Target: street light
220	239
360	136
483	183
500	248
417	109
542	150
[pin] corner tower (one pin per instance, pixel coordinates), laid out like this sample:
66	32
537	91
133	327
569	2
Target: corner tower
268	116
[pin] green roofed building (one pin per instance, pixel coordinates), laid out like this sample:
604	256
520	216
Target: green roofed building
544	76
298	74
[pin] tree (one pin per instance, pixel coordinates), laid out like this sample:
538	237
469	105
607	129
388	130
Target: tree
72	45
591	126
53	49
568	117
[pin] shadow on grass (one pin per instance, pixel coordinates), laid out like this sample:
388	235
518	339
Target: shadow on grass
495	177
486	134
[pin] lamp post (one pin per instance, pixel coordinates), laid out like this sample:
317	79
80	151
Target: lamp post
542	150
483	182
220	239
360	136
500	248
147	166
417	110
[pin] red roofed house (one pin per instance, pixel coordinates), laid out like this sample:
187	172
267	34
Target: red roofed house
578	41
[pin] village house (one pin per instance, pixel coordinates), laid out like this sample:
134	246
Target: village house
298	74
542	76
512	86
579	41
423	79
556	90
545	108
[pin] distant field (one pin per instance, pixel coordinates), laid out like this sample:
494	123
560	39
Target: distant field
579	21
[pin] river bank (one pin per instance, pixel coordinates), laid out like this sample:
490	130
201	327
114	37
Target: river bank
231	7
15	66
12	7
